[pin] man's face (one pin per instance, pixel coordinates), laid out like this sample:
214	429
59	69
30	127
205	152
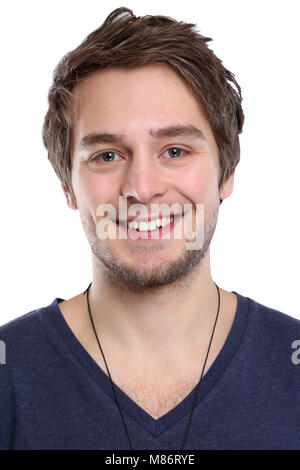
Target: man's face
146	169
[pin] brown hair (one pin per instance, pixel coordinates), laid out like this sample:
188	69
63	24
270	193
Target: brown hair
127	40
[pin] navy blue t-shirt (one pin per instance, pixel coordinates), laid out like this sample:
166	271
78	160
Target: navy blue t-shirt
55	396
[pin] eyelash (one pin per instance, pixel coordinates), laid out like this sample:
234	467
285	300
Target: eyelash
98	155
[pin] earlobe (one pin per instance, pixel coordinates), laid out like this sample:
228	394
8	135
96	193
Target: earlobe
70	202
227	187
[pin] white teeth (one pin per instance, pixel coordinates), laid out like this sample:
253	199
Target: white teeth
153	225
165	221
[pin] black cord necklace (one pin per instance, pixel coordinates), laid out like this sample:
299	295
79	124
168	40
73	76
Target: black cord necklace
112	385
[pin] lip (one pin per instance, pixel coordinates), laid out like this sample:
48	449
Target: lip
159	234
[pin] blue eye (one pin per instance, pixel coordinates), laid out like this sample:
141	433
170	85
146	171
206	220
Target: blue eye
109	154
175	152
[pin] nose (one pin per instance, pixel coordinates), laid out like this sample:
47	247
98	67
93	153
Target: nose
143	179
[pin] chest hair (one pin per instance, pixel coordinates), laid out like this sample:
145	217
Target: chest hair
155	399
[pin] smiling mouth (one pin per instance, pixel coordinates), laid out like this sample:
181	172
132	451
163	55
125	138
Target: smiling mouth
150	234
144	226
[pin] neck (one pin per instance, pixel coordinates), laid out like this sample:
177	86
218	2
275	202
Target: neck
166	321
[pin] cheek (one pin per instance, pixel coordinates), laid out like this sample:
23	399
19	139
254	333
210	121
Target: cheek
93	190
196	184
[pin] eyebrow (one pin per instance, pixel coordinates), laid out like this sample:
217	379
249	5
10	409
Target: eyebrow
170	131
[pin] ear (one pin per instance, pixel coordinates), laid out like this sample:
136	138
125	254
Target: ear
70	202
227	187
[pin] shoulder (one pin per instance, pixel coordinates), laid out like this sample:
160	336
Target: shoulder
271	341
276	323
265	326
25	346
21	329
25	336
20	322
27	320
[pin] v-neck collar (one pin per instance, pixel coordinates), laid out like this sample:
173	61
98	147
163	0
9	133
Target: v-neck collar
67	341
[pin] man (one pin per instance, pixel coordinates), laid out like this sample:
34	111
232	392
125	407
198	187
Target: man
153	354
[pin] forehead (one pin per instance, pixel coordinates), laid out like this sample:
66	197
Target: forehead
123	99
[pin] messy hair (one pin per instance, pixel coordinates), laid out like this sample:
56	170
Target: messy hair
126	40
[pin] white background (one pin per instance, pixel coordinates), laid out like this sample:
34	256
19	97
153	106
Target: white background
255	250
